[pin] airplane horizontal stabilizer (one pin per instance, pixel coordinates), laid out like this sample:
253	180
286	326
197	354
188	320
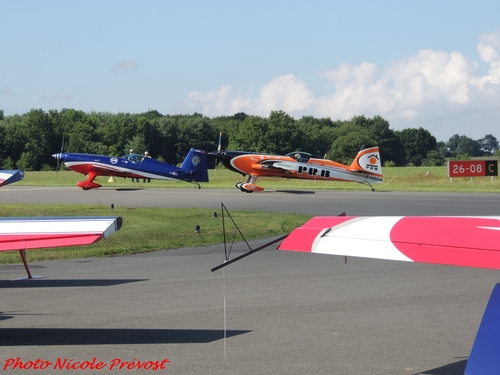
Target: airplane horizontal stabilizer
460	241
10	176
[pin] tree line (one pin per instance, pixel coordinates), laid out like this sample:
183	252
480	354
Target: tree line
27	141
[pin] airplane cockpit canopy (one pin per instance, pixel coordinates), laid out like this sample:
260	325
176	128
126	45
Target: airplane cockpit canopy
134	158
302	157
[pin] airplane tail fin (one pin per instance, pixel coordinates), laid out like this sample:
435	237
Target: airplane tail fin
483	357
368	161
196	163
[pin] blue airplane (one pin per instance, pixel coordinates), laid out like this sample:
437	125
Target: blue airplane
135	166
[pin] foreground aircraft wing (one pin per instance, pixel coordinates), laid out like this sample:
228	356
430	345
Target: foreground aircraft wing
452	240
10	176
39	232
25	233
460	241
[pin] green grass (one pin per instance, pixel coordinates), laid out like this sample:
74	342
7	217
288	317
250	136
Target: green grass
149	229
435	179
395	179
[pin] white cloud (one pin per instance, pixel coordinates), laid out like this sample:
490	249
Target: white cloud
283	92
286	93
56	97
489	52
215	103
443	77
420	90
126	66
488	47
356	90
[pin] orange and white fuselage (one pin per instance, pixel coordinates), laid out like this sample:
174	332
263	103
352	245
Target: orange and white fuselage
366	167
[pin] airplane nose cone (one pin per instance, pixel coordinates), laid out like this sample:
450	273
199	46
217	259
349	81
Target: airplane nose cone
57	156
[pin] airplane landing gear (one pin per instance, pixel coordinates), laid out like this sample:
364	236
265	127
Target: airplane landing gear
89	183
196	183
248	187
239	185
370	185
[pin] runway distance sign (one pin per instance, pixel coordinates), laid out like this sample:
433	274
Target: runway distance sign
472	168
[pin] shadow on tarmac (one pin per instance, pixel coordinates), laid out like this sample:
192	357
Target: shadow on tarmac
96	336
456	368
296	191
64	283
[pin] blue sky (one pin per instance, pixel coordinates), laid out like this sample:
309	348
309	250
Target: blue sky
431	64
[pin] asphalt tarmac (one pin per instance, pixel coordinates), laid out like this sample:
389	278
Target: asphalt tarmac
272	313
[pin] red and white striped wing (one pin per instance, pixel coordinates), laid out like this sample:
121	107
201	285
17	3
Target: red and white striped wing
41	232
461	241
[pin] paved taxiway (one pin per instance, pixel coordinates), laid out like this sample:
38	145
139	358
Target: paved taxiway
286	313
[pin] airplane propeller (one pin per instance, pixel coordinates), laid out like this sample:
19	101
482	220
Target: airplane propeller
219	148
59	158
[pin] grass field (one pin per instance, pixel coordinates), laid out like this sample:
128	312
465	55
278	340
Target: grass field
149	229
395	179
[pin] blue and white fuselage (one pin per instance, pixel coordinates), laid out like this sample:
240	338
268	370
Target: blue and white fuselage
193	169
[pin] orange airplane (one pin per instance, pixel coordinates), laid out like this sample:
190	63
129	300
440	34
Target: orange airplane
365	168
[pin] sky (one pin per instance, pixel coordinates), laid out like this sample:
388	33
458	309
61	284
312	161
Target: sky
429	63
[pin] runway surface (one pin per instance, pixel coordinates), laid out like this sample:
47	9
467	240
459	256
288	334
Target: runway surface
271	313
310	202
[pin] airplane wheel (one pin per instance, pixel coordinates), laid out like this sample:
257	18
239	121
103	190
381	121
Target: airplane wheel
373	189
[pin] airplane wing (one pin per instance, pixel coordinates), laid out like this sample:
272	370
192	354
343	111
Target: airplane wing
22	233
10	176
103	168
460	241
25	233
277	165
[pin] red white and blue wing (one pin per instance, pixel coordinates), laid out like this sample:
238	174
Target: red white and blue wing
10	176
460	241
20	233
